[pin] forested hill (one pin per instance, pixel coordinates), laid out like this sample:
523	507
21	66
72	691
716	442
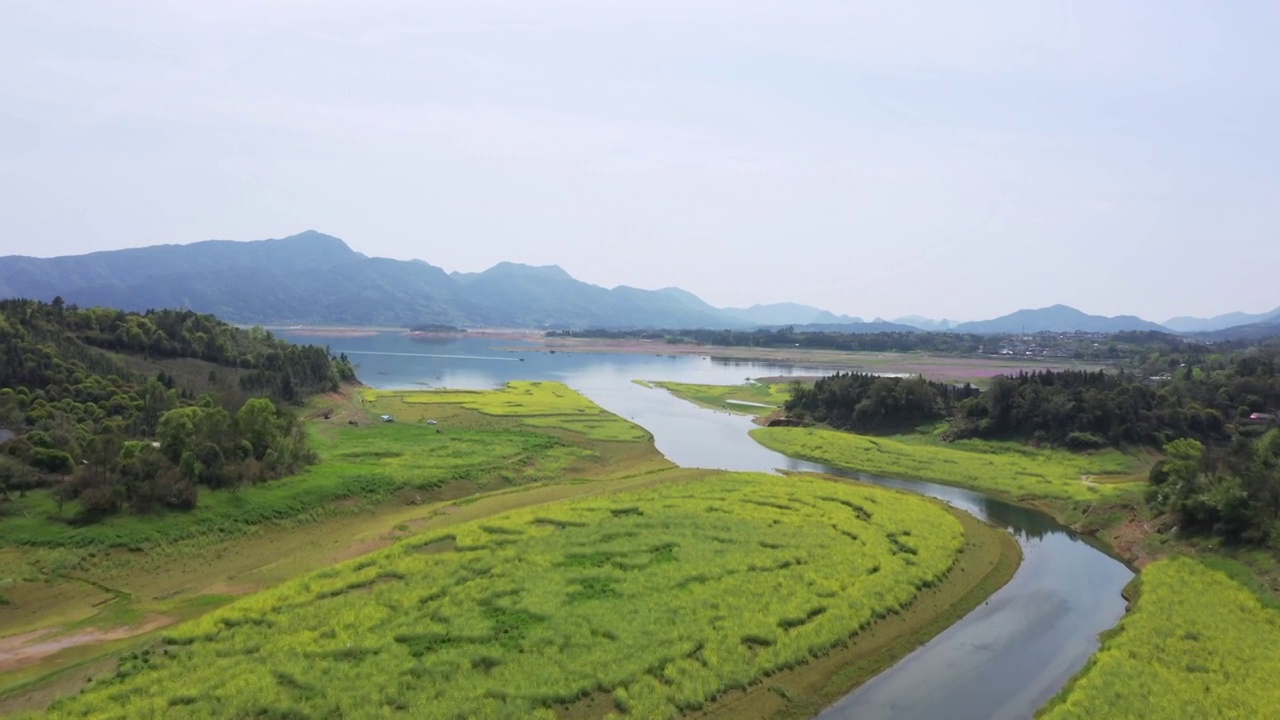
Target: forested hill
313	278
116	409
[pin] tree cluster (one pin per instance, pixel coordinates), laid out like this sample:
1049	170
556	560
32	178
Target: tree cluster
1195	397
1083	410
1232	492
74	415
869	403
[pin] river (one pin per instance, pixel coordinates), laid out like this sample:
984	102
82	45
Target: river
1002	661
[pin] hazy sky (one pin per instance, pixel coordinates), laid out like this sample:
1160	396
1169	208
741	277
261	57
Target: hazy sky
949	159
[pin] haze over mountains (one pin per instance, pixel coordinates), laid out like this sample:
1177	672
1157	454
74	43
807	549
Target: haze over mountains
1056	318
313	278
1220	322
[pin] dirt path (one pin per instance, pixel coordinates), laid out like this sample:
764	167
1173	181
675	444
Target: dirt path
28	648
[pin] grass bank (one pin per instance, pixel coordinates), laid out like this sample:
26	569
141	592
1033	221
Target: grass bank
749	399
1095	489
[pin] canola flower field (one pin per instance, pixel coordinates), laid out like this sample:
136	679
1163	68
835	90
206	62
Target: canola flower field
1197	645
1017	471
537	403
641	604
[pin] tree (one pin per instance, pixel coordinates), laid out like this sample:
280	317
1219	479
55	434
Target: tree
177	431
258	424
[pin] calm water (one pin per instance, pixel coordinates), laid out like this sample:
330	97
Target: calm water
1002	661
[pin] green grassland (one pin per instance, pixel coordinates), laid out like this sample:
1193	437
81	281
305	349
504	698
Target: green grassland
649	602
1198	644
772	395
538	404
1014	470
373	481
369	461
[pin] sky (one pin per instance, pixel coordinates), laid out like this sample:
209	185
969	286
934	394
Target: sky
956	160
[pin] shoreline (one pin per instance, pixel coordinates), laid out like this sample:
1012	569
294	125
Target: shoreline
935	366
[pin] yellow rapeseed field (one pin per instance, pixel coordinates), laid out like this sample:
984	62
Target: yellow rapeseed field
646	603
538	403
1198	645
1017	471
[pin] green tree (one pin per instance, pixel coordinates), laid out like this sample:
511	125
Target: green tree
178	430
258	423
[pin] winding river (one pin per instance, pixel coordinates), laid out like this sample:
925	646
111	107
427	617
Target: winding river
1002	661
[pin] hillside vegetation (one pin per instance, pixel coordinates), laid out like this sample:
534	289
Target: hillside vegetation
104	437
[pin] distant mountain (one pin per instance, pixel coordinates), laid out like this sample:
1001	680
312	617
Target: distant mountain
788	313
924	323
1219	322
1056	318
1250	331
313	278
858	327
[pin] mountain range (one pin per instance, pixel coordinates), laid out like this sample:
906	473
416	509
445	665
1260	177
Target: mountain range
789	314
313	278
1056	318
1220	322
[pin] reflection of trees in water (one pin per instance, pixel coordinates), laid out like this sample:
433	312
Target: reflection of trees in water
1028	523
761	369
1023	522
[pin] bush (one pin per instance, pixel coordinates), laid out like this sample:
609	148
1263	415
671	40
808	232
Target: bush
1086	441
